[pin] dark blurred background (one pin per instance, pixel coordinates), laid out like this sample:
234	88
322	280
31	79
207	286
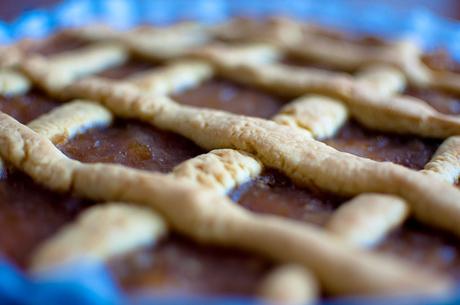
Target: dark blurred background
10	9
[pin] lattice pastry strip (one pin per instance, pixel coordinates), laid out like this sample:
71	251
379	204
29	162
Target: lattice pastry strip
142	104
91	238
220	170
10	55
211	217
214	170
301	40
304	160
396	87
153	43
172	78
65	121
68	120
289	284
400	214
382	80
367	218
323	116
99	233
320	116
278	31
55	73
402	114
405	55
310	43
350	56
233	63
12	82
445	163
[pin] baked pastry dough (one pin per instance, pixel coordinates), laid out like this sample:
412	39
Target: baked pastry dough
192	198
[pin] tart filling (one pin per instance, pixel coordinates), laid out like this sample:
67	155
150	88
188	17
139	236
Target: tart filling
176	263
25	108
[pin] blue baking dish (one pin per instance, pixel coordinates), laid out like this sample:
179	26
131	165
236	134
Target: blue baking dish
92	284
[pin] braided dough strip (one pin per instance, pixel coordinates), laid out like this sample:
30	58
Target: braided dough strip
224	169
212	218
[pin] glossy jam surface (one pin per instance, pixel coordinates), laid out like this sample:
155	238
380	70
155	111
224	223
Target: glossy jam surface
133	144
225	95
128	69
441	60
424	246
27	107
412	152
178	265
274	193
57	44
442	101
29	214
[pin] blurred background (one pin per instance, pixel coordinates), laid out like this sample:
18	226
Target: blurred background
11	9
433	23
